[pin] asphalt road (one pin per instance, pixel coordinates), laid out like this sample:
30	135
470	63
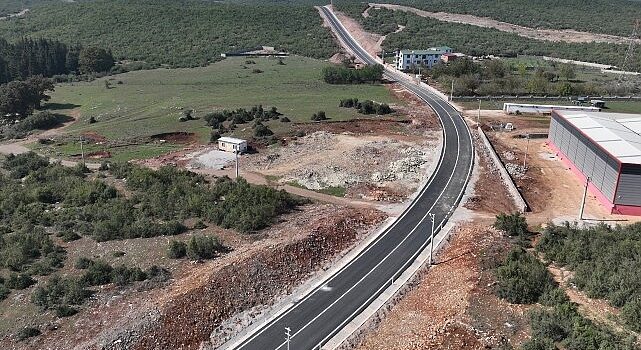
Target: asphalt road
317	317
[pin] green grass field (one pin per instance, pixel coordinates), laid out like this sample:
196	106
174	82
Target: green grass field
141	104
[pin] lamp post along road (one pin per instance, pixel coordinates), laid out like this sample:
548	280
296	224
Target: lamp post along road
527	149
585	195
237	170
432	217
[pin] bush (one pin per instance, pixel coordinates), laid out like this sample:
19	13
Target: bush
285	120
512	224
65	311
261	131
176	250
83	263
122	275
319	116
19	281
28	332
57	292
4	292
522	278
203	247
344	75
97	274
40	121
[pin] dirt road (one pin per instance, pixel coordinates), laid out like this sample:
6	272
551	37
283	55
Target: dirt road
569	36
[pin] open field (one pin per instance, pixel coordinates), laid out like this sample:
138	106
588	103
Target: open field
141	104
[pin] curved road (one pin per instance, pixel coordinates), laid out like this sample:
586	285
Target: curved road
321	314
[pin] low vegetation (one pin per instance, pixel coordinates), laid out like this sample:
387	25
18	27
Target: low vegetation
346	75
197	248
421	32
366	107
610	17
605	263
180	34
556	322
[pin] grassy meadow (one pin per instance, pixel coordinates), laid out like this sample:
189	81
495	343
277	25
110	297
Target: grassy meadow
138	105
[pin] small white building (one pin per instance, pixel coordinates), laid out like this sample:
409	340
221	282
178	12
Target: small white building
518	108
231	144
408	59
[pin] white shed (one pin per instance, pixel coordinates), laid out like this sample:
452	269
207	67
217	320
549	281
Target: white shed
231	144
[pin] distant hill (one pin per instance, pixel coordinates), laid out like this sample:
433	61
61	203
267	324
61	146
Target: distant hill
176	33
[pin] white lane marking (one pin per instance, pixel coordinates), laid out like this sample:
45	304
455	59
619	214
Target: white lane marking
444	149
389	254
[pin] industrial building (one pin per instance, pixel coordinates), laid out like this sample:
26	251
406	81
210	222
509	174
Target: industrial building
520	108
230	144
603	150
408	59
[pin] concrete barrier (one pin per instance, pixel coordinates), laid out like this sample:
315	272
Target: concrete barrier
518	199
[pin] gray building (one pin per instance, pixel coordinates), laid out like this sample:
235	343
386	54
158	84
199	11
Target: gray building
605	150
408	59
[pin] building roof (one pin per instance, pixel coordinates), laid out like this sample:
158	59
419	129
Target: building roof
431	51
618	134
231	140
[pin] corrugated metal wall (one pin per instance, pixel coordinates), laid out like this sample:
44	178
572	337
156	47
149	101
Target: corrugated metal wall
593	162
629	191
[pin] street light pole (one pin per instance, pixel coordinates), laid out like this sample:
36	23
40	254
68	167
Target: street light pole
432	217
478	117
288	334
82	152
527	149
452	91
237	170
585	195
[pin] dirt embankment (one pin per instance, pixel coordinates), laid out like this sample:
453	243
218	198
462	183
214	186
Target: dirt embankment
570	36
192	317
453	305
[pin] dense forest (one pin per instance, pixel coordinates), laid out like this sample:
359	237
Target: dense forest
180	34
601	16
427	32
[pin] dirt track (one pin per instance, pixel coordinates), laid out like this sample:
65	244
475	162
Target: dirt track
569	36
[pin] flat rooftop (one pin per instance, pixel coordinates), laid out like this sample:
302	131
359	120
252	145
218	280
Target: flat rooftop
431	51
231	140
617	133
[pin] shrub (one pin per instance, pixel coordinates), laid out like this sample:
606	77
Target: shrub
57	292
203	247
65	311
4	292
21	165
122	275
176	250
97	274
117	254
83	263
92	120
28	332
19	281
199	225
261	131
40	121
512	224
344	75
319	116
631	314
285	120
522	278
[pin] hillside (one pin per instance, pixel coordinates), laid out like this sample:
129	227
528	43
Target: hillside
600	16
179	34
472	40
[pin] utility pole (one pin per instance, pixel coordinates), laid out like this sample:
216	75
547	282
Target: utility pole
288	334
527	149
452	92
82	151
432	217
585	195
478	117
237	170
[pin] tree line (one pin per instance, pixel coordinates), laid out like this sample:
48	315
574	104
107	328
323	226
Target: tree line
176	33
345	75
30	57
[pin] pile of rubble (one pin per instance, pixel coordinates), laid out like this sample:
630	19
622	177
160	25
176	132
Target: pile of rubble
321	160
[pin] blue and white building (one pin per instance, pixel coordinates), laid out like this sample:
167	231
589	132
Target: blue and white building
409	59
